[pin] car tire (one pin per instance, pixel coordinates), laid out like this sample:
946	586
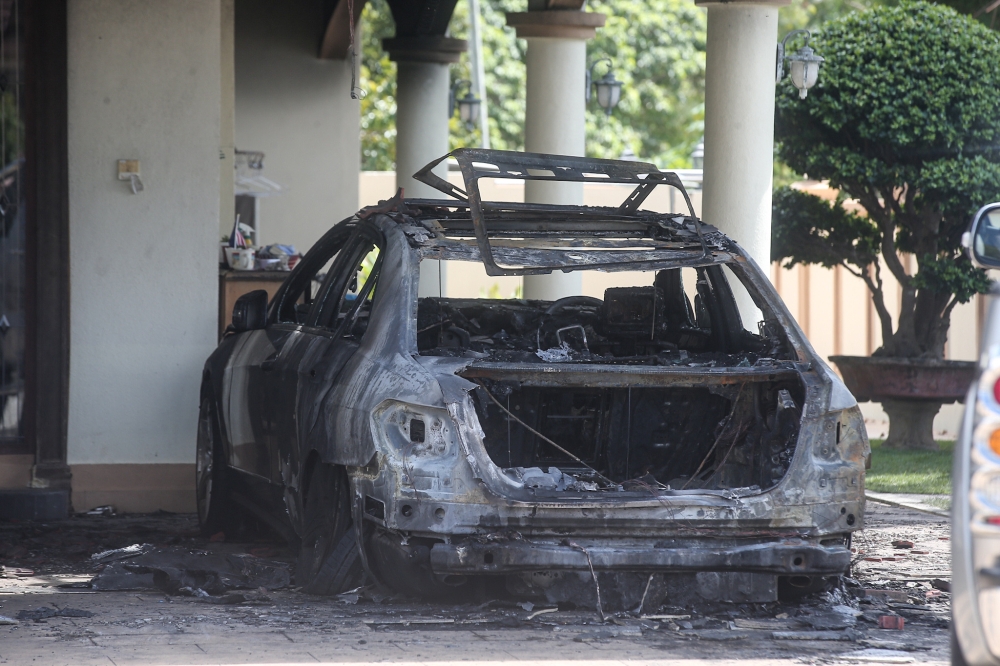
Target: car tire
957	658
329	561
215	508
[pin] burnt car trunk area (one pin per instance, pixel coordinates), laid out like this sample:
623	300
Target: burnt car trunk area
645	389
640	438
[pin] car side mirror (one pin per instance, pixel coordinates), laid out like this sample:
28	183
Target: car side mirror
983	237
250	311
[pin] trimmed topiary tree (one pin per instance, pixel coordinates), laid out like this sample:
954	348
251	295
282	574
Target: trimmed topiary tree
905	119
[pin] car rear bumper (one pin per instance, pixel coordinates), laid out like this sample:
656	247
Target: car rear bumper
788	557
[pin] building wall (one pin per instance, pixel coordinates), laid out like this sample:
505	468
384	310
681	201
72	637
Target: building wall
297	109
144	83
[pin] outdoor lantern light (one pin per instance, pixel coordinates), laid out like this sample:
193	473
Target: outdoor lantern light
468	106
609	89
698	156
803	65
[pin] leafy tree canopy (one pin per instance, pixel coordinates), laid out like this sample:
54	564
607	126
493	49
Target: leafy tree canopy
905	118
658	48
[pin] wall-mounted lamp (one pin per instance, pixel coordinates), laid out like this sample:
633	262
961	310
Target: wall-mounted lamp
803	65
468	106
698	156
609	89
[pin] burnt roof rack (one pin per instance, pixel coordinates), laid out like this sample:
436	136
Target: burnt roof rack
476	163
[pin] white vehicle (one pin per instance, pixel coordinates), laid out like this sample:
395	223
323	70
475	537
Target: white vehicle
976	486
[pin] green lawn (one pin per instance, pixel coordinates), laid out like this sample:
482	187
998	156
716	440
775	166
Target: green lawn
925	472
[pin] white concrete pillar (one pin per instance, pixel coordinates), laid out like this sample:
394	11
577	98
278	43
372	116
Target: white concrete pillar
421	122
739	122
422	84
555	116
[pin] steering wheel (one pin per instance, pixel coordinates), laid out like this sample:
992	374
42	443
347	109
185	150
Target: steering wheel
568	301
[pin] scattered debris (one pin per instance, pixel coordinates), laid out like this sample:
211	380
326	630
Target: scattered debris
891	622
902	543
541	612
876	655
848	635
884	596
233	598
718	635
940	584
13	572
182	571
350	597
7	620
106	510
892	645
45	612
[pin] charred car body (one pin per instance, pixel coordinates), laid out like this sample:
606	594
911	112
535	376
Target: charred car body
565	449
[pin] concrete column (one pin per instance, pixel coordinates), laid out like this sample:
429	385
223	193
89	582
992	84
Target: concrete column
739	122
555	116
422	83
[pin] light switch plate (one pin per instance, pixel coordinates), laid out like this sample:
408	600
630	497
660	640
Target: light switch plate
127	169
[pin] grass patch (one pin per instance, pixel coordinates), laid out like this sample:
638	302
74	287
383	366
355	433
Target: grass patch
923	472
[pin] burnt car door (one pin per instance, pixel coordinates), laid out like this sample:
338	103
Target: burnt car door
315	353
251	388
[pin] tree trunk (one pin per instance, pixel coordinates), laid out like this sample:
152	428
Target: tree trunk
911	424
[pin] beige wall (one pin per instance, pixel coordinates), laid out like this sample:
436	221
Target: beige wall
297	109
144	83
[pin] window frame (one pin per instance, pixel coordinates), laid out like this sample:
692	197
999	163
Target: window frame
339	237
327	303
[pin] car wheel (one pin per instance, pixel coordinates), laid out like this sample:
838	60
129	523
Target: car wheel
210	472
329	561
957	658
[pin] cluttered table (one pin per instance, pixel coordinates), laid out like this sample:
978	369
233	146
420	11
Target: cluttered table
246	269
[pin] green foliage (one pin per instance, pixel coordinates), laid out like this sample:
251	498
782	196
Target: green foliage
812	14
378	81
809	230
910	471
904	119
503	62
658	47
906	98
944	275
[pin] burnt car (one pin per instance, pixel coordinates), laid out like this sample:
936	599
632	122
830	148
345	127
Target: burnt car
677	434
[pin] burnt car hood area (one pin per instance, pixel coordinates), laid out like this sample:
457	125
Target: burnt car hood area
675	436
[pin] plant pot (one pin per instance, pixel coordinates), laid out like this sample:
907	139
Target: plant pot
911	392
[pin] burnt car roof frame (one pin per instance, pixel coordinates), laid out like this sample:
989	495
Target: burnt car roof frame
476	163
